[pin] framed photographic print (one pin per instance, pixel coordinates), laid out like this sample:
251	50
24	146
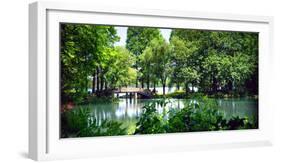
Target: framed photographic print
108	81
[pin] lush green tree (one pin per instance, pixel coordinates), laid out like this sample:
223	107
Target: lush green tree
82	47
199	40
222	58
212	61
162	55
190	76
121	72
146	64
138	38
179	51
184	68
242	48
217	70
241	70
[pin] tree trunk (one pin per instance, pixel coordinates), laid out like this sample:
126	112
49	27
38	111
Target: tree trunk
230	86
86	84
98	79
105	85
142	83
147	84
164	86
101	82
137	82
94	82
137	76
186	88
214	85
178	86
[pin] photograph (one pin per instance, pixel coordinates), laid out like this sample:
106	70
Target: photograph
136	80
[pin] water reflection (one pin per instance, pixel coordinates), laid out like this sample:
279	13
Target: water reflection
127	110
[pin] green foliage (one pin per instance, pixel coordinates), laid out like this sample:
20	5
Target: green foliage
155	62
216	61
180	94
201	115
198	115
152	122
162	60
120	72
80	123
212	61
177	94
82	49
241	123
138	38
106	128
147	66
101	99
73	121
184	67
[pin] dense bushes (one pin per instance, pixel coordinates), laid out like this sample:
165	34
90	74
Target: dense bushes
181	94
80	123
152	122
197	115
100	99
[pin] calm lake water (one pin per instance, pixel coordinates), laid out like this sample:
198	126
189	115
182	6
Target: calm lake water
127	110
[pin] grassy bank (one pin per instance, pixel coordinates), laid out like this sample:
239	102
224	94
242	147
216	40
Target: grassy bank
182	95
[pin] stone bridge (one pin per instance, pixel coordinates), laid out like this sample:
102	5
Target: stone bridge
136	91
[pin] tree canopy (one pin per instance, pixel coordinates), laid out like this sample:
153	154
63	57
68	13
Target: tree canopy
211	61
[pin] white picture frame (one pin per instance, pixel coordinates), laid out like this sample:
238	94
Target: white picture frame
44	140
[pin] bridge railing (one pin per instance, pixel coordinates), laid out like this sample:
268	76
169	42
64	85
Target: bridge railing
130	90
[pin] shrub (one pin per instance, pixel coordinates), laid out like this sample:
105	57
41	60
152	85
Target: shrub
176	94
181	95
74	120
198	115
107	128
80	123
96	99
241	123
152	122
